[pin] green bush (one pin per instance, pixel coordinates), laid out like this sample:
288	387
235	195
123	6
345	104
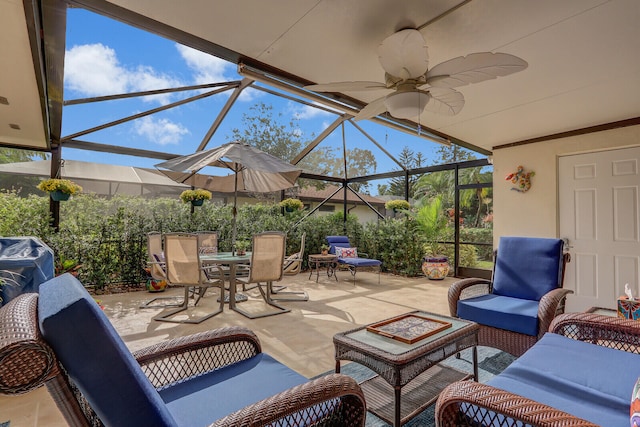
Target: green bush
107	237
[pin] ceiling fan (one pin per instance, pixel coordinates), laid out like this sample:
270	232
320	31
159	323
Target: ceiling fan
416	87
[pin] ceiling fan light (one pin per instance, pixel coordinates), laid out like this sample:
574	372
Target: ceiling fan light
406	105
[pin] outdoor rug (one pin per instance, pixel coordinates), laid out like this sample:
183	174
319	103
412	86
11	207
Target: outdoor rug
490	363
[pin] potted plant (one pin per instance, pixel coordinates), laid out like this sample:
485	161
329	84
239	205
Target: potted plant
396	205
196	197
59	189
324	249
432	223
291	205
242	246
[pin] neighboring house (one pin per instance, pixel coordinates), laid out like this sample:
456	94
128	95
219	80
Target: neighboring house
311	197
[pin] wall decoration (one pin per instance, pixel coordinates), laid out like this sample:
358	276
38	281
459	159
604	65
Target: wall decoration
522	179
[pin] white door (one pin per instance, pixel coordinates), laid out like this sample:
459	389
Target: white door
600	215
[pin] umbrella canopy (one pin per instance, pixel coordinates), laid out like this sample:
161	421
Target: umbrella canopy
253	170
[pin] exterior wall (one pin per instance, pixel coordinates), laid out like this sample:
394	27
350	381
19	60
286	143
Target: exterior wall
363	212
535	213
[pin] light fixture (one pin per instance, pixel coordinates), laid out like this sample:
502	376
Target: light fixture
406	105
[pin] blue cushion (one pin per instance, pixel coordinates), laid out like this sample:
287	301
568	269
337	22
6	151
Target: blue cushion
95	357
512	314
359	262
582	379
339	241
527	267
217	394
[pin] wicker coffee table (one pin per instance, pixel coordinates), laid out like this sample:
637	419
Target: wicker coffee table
410	377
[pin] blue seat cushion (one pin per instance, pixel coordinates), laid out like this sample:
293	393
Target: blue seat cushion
212	396
359	262
339	241
95	357
586	380
512	314
527	267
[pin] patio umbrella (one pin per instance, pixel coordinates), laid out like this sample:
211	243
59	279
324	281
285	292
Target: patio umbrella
253	170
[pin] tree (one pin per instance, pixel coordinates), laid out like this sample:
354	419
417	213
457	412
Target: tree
411	160
454	154
283	138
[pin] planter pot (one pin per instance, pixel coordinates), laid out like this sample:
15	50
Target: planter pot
241	252
197	202
288	209
435	267
59	196
325	252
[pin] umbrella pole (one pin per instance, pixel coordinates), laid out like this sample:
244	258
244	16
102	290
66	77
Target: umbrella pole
235	211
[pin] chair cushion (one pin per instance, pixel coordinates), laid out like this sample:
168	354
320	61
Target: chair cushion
527	267
359	262
219	393
337	241
586	380
512	314
95	357
347	252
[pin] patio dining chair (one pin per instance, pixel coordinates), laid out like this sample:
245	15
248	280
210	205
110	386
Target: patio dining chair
516	307
156	268
267	261
184	268
292	266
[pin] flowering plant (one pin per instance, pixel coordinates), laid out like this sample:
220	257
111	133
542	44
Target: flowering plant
397	204
57	184
242	245
292	204
199	194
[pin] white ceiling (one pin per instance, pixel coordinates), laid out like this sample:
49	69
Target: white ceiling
583	55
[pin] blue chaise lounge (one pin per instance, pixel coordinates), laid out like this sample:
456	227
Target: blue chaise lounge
352	263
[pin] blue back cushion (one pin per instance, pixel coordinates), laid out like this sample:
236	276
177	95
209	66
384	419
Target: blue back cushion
527	267
95	357
339	241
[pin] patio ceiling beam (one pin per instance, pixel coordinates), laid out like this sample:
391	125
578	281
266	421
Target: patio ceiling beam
51	39
295	99
419	171
223	113
147	113
147	93
313	144
127	151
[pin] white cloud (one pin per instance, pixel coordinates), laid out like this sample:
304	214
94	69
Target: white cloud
207	68
94	70
160	131
210	69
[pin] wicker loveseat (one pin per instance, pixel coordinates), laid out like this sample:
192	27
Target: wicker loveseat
581	373
61	338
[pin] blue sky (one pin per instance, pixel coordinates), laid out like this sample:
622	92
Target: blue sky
106	57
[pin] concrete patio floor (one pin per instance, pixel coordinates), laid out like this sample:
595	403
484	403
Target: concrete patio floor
301	339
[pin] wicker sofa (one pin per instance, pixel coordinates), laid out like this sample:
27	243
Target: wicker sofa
61	338
581	373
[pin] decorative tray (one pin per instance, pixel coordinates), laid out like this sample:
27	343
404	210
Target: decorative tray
409	328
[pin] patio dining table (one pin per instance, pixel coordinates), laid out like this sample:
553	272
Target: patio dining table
231	260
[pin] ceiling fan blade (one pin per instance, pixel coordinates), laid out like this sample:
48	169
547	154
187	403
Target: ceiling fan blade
445	101
346	86
474	68
372	109
404	54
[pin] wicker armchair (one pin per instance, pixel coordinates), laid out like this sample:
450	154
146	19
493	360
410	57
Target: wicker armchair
527	272
468	403
109	388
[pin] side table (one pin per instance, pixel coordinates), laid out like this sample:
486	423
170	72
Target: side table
317	261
